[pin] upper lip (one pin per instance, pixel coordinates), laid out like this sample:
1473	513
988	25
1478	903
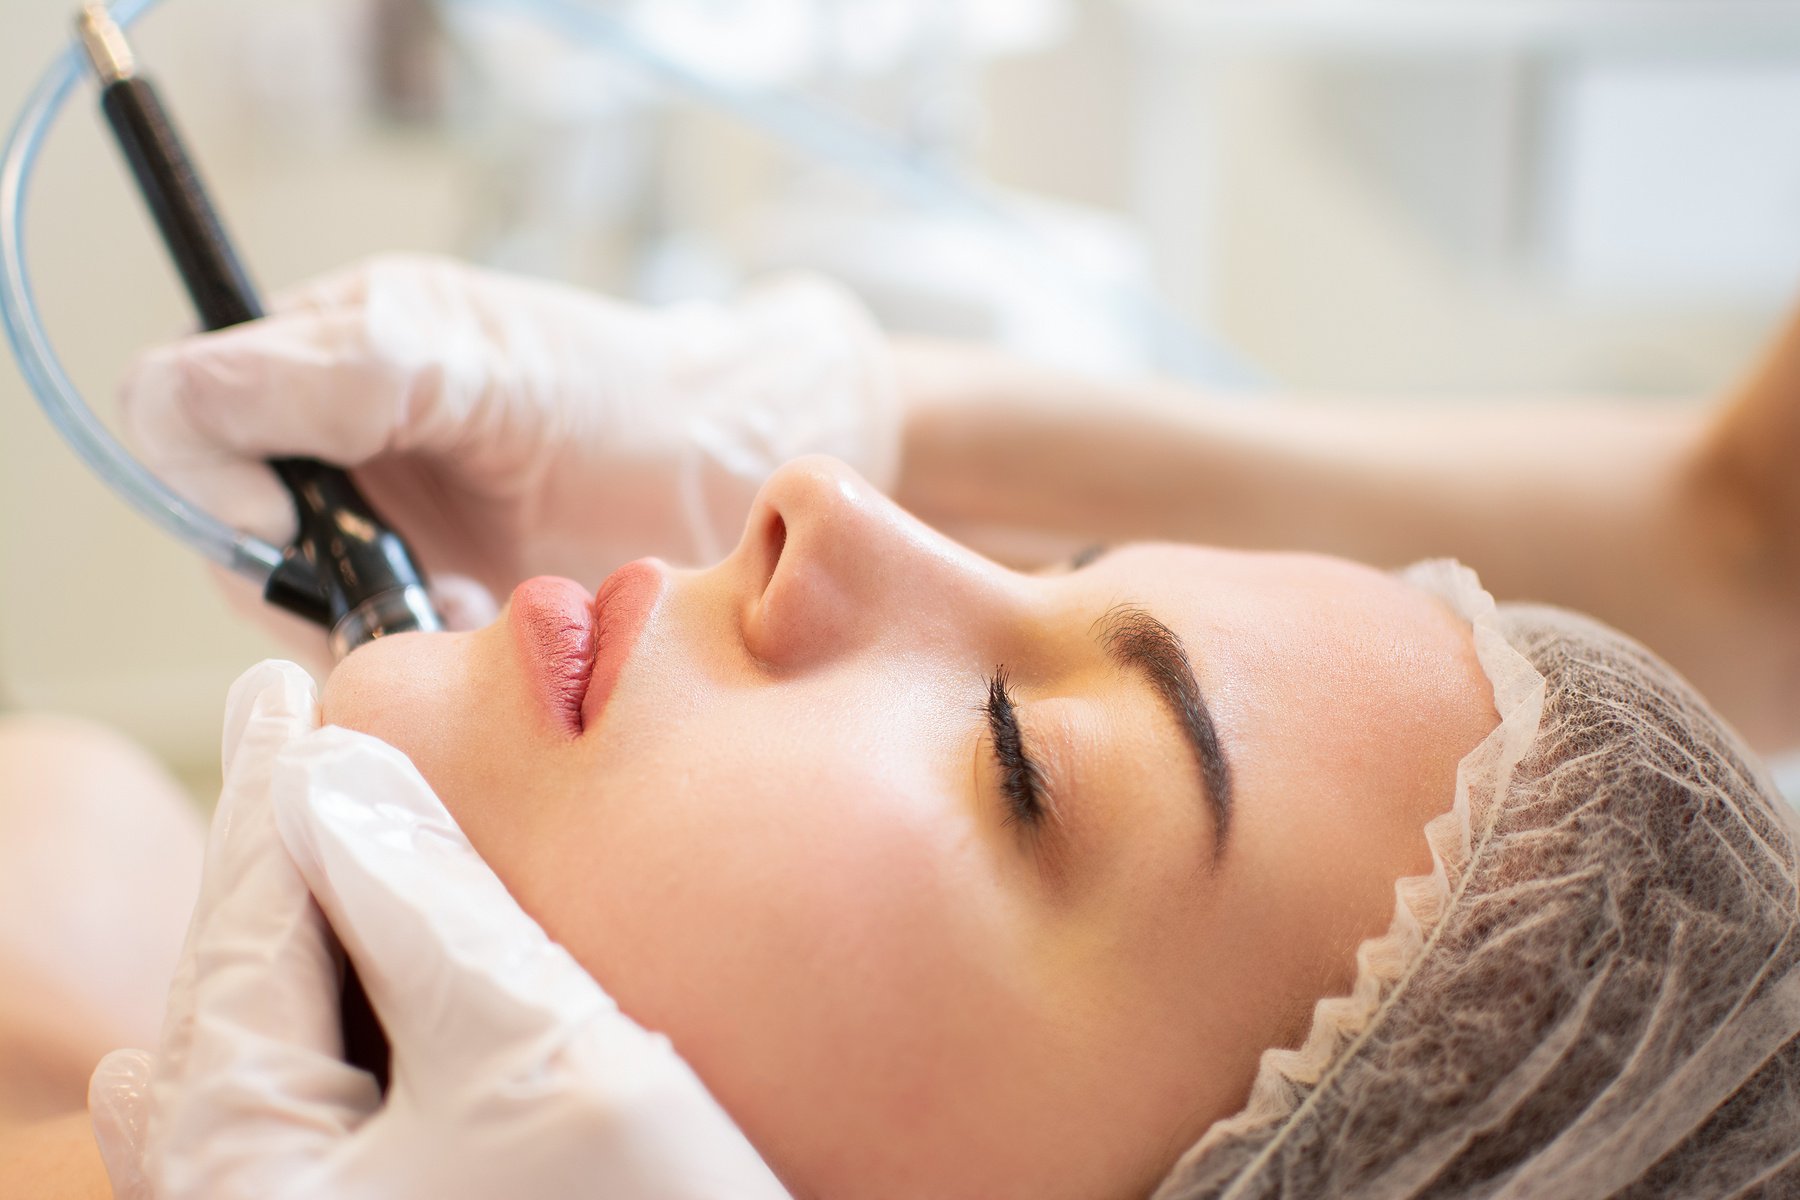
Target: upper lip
621	608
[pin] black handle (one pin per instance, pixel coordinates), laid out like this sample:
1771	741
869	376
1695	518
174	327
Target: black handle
215	278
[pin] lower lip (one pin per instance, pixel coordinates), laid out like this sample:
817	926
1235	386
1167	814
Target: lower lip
574	645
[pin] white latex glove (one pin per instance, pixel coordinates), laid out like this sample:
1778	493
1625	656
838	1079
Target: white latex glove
514	1074
510	427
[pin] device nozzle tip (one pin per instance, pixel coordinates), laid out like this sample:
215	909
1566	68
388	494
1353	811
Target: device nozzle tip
105	44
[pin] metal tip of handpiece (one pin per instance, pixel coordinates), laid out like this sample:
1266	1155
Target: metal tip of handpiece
105	44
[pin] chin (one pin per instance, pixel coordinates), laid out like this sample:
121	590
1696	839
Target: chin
456	705
433	696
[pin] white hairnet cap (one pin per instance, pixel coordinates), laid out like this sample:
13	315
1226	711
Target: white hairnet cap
1595	993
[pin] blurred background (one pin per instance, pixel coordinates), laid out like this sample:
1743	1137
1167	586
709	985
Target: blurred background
1457	199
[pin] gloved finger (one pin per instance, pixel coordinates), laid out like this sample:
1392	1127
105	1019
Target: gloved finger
118	1106
450	961
462	602
267	705
256	1049
205	411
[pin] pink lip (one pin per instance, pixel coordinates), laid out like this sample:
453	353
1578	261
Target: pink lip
574	645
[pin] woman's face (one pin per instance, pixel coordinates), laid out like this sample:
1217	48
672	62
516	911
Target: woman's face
916	949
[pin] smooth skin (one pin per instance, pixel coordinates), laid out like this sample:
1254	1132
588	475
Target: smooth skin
786	842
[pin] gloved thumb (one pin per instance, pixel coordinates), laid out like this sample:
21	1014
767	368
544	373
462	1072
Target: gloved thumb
119	1107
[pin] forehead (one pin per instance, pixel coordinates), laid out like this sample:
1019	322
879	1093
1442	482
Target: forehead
1244	589
1305	648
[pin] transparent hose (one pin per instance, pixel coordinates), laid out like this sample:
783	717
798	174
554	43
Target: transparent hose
818	132
44	372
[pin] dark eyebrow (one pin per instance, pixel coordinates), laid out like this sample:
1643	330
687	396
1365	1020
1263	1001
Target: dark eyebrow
1139	642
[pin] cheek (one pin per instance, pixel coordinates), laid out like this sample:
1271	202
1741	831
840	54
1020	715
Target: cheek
387	688
744	826
780	920
779	885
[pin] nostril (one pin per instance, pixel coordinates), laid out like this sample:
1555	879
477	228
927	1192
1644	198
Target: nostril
775	539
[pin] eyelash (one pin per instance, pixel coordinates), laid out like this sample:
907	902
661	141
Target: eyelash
1020	780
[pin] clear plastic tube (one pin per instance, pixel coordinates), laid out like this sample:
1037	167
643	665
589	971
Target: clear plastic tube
43	371
819	133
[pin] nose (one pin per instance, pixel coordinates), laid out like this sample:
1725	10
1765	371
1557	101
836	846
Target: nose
842	568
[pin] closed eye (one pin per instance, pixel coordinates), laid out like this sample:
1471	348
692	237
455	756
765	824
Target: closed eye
1021	782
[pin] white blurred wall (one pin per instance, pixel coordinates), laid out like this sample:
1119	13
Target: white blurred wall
1356	212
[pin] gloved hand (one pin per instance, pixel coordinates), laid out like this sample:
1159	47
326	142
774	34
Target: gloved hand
514	1074
509	427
